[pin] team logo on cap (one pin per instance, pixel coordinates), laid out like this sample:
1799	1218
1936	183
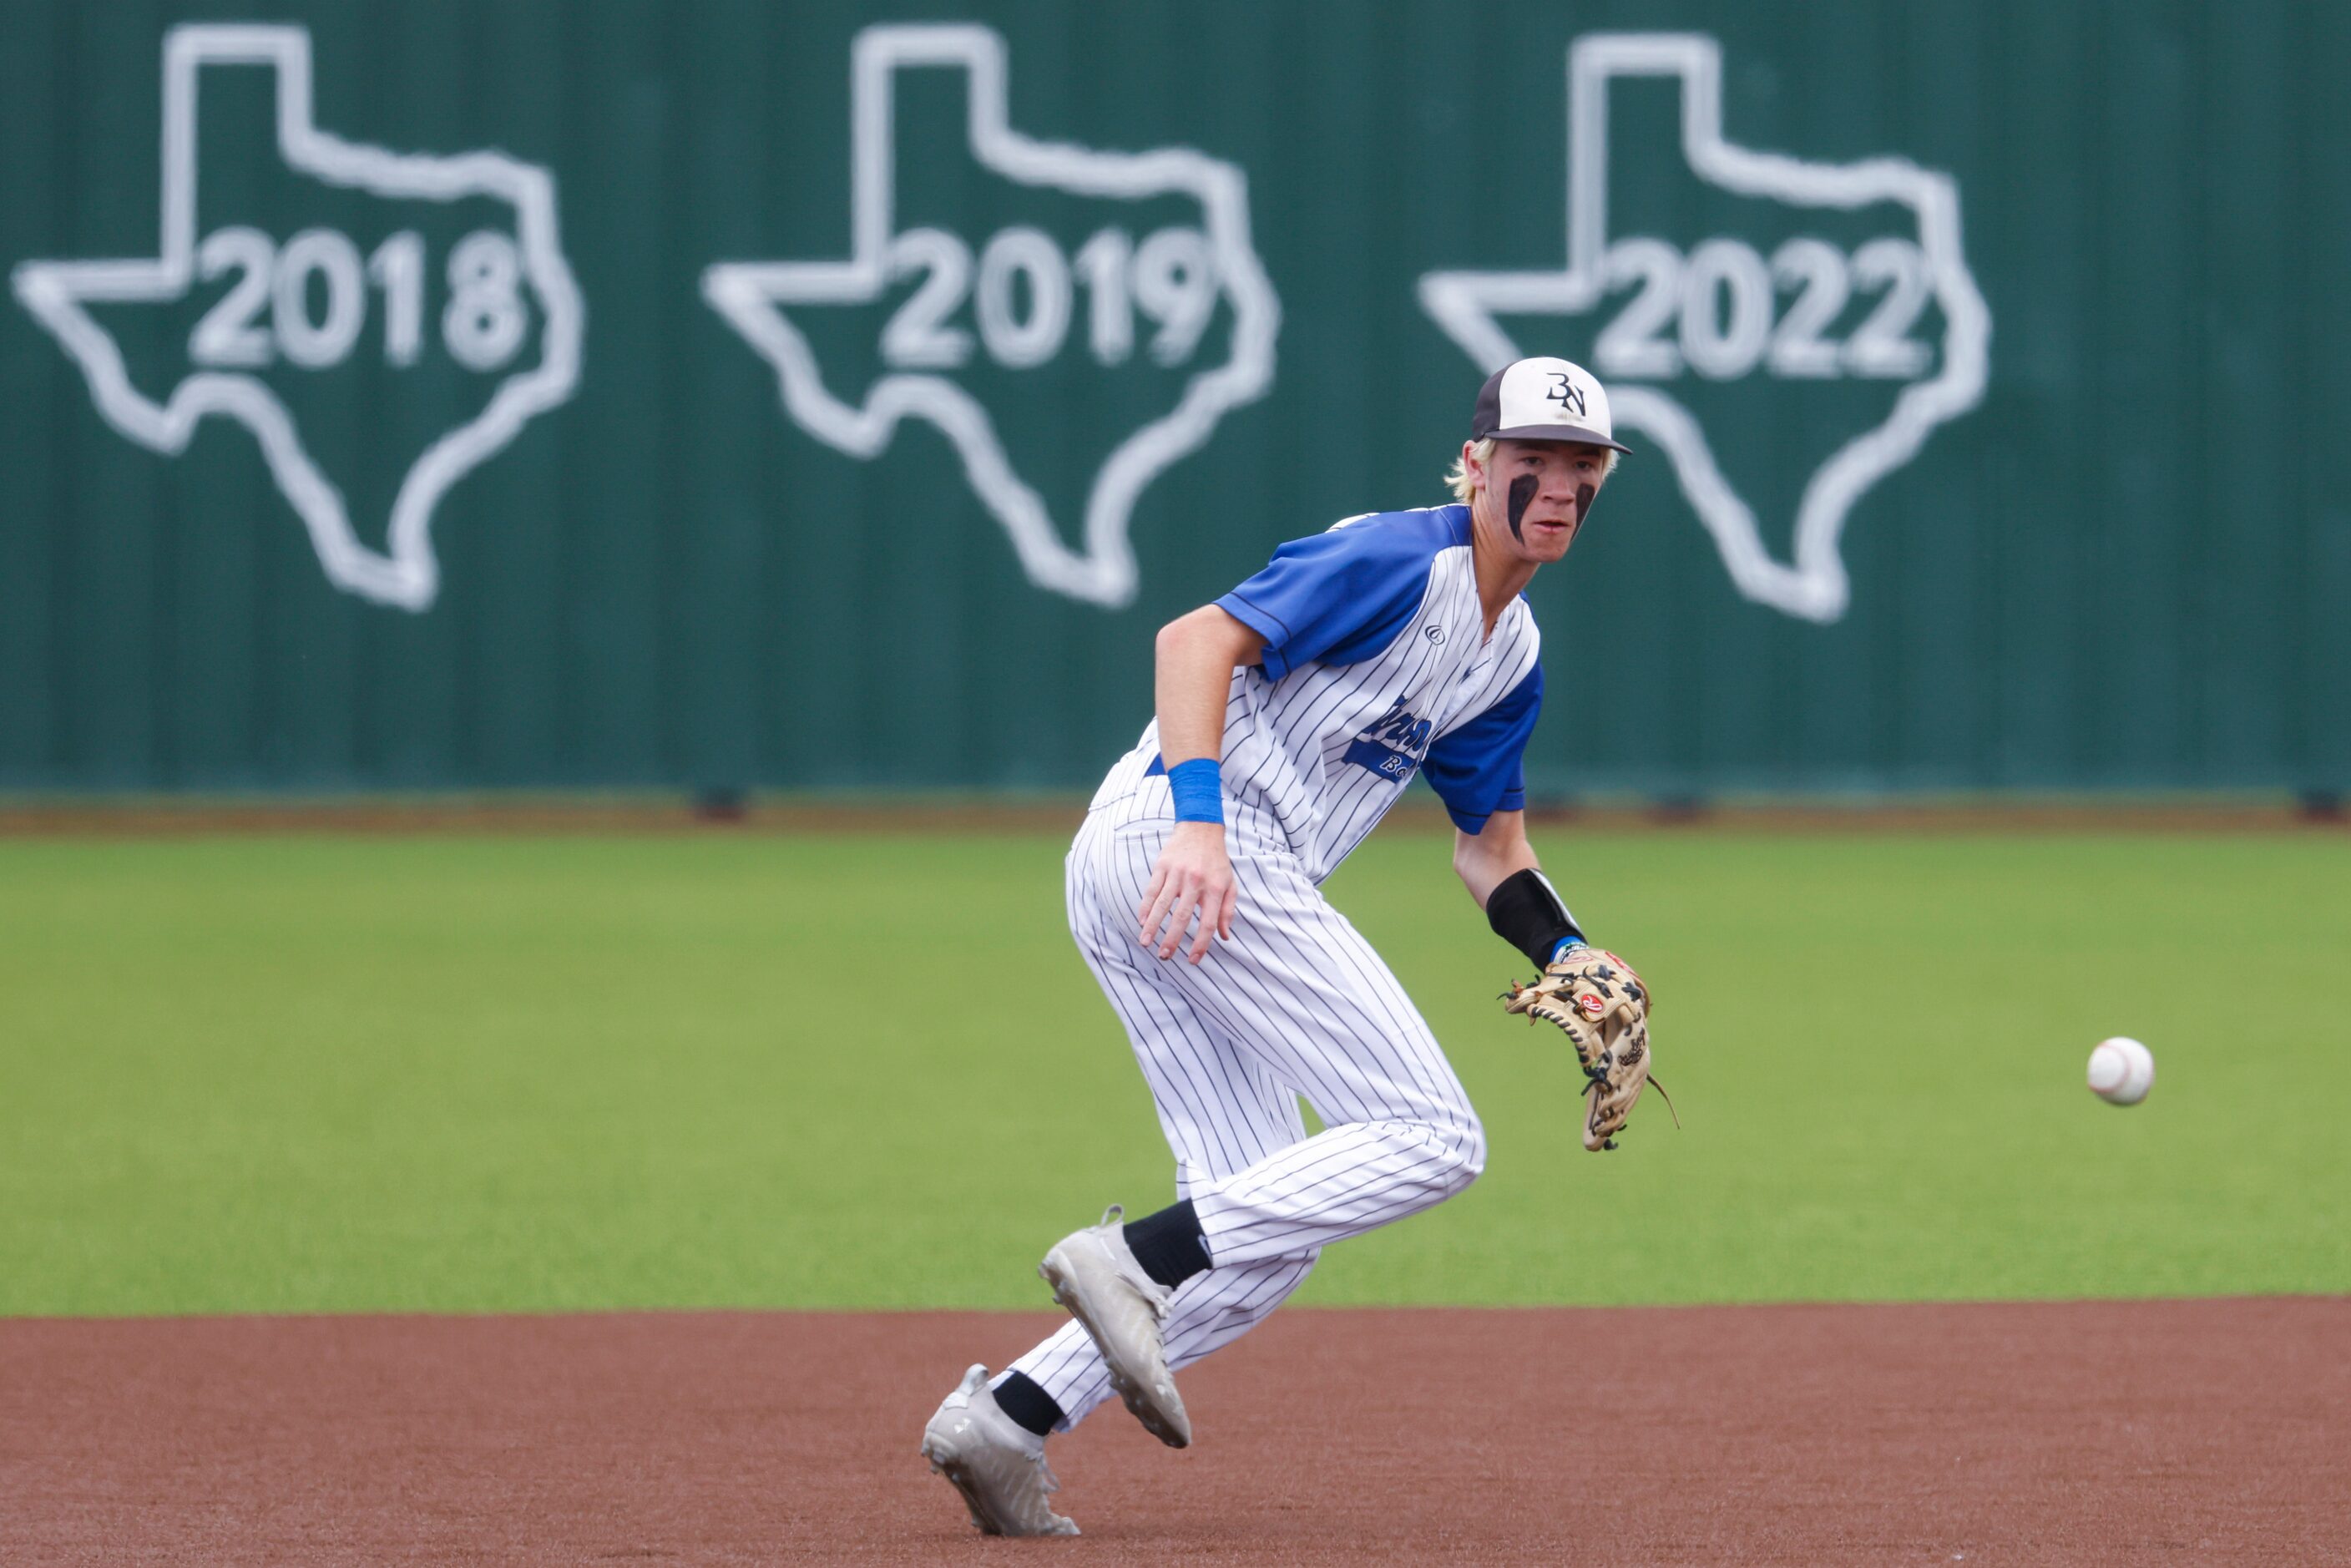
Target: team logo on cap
1838	290
1566	394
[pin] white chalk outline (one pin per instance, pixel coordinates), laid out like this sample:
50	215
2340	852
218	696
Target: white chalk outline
409	577
748	294
1464	303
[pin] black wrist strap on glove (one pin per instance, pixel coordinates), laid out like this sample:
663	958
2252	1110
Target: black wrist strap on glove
1525	910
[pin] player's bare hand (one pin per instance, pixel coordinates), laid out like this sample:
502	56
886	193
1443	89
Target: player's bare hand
1192	882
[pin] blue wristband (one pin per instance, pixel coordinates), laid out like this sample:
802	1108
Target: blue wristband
1565	943
1198	786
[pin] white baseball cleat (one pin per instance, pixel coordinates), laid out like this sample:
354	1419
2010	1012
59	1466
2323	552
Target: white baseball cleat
1095	1277
998	1463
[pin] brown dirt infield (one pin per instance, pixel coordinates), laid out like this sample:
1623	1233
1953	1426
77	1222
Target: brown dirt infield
2185	1432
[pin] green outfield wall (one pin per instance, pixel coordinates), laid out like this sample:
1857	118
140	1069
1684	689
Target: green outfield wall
729	393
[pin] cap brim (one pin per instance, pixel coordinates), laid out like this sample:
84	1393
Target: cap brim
1558	433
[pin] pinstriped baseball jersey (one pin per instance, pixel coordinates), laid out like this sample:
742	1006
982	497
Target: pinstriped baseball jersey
1374	667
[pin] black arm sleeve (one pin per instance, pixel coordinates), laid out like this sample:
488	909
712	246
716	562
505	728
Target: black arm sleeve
1526	911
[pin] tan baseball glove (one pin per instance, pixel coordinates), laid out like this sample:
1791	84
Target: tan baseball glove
1604	1010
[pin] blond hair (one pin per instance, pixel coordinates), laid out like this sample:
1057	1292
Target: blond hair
1456	478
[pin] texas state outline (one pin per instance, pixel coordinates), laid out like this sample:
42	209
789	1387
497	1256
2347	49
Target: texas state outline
750	297
1813	584
408	574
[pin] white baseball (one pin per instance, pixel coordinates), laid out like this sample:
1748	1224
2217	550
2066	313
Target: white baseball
2121	1070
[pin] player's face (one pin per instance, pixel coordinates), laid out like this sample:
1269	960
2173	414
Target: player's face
1538	493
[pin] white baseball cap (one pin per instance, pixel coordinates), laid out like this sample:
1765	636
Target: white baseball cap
1543	400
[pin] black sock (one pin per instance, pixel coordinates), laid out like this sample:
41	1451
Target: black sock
1169	1245
1020	1397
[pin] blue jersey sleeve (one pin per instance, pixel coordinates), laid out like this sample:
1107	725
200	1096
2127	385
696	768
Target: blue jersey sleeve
1341	596
1479	769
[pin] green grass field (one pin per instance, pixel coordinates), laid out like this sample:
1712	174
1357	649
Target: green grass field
260	1073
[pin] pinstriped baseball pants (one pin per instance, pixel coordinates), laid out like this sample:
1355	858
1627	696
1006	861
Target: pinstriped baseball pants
1295	1004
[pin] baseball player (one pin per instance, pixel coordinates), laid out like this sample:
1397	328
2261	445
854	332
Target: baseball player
1292	712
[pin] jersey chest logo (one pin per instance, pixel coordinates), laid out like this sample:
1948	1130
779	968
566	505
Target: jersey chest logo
1392	745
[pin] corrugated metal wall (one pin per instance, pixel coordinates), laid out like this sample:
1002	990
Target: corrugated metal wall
2015	462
